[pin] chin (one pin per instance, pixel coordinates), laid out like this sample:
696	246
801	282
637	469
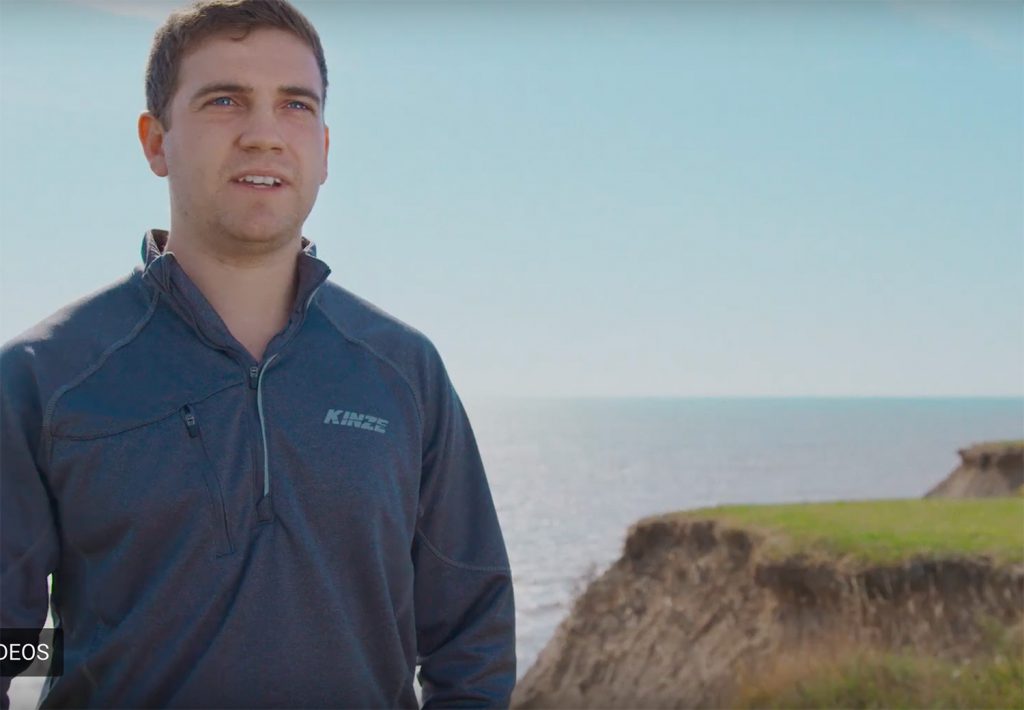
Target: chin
264	234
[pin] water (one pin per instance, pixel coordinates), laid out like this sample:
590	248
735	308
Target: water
569	476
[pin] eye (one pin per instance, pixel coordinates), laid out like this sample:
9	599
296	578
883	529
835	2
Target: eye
215	102
301	105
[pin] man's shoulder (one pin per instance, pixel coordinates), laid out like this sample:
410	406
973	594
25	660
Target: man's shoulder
369	326
79	332
357	319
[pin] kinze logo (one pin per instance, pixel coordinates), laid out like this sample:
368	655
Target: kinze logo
359	421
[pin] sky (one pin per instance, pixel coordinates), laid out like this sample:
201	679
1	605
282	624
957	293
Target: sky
596	199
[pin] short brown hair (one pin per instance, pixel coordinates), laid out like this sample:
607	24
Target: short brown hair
186	28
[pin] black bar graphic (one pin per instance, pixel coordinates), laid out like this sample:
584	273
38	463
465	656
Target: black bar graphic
31	652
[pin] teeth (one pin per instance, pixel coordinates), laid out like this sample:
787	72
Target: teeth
260	180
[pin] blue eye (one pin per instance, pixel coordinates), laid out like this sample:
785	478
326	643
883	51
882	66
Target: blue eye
300	105
221	98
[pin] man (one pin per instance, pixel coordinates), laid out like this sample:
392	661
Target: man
252	488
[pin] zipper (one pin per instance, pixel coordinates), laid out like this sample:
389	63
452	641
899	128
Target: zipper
189	415
263	423
256	383
213	489
254	372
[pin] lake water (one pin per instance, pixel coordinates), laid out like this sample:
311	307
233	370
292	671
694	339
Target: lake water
569	476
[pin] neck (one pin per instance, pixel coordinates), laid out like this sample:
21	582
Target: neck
253	294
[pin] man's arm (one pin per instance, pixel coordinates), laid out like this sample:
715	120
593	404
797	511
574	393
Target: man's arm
29	543
465	610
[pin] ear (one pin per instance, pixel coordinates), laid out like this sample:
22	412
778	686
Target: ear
327	149
151	135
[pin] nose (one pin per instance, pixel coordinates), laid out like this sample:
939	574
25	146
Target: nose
260	131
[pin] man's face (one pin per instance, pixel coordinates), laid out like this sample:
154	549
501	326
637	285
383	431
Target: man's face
242	108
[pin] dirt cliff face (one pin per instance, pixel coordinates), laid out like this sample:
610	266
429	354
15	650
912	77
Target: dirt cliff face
986	470
692	606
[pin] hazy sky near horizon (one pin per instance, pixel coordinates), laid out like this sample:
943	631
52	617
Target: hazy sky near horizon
596	199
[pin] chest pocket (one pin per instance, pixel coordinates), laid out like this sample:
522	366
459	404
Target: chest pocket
138	489
139	505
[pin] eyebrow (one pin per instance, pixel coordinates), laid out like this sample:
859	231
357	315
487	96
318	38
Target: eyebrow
230	88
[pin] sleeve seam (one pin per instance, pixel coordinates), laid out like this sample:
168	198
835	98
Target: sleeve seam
442	452
51	406
458	565
366	346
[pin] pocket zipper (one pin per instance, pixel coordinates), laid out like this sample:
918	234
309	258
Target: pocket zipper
189	415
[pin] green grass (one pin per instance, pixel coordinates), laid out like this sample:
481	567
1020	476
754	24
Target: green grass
864	678
880	531
840	672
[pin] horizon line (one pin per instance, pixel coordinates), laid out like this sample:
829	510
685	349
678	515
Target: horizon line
746	396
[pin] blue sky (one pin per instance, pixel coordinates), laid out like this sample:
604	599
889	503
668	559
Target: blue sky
596	199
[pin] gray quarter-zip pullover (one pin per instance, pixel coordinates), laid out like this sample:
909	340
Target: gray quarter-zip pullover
296	532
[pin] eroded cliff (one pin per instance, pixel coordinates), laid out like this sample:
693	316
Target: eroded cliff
695	606
989	469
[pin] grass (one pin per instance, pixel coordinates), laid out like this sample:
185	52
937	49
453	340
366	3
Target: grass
998	445
1008	442
884	531
844	673
846	676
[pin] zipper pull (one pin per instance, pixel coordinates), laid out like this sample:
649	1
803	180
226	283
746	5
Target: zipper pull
189	415
254	377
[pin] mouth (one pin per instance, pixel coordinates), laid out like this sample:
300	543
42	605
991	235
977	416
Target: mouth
257	181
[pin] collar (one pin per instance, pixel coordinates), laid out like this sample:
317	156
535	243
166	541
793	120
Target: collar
162	270
155	240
